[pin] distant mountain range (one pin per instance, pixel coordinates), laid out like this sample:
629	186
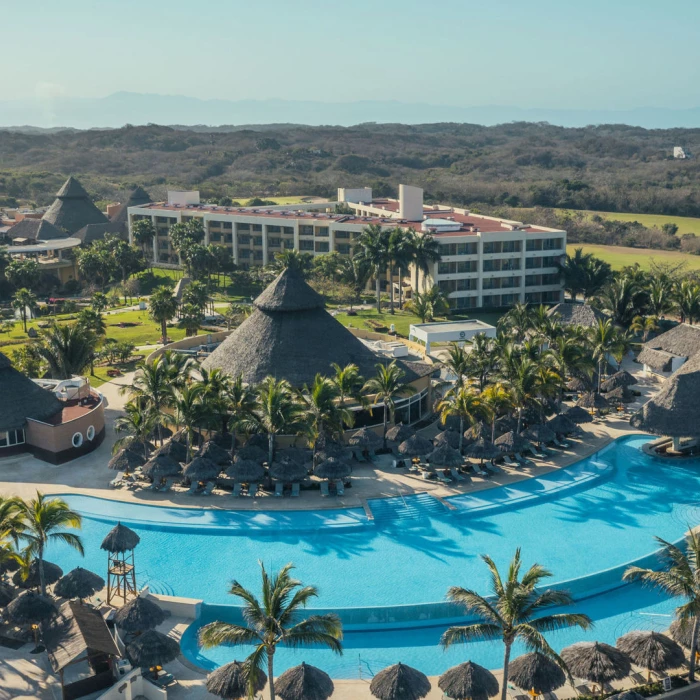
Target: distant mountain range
136	108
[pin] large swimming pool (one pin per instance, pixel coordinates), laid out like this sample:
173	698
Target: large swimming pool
584	523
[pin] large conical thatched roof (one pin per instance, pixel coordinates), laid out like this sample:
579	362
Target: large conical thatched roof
22	398
201	469
416	446
447	437
535	671
674	411
578	415
562	424
399	433
35	230
290	336
593	400
126	460
73	209
288	471
468	681
333	468
482	449
621	378
400	682
365	438
572	314
304	682
230	682
120	539
215	453
652	650
596	662
245	470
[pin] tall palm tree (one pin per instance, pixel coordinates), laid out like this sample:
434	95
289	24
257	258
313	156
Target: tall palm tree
277	411
512	612
322	410
464	402
215	385
659	297
162	306
425	252
24	301
496	399
68	349
527	381
372	247
457	363
190	411
687	295
138	423
607	340
623	298
273	620
387	385
482	358
241	404
680	578
646	325
349	382
99	302
399	251
517	321
45	520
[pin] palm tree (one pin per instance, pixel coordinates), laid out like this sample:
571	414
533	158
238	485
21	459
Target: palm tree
93	321
457	363
143	233
420	305
518	321
425	252
623	298
482	358
528	380
583	274
463	402
99	302
607	340
646	325
387	385
241	402
273	620
162	306
349	382
191	319
323	411
373	248
24	301
399	251
277	411
190	411
138	423
68	349
659	297
44	520
496	399
687	295
511	613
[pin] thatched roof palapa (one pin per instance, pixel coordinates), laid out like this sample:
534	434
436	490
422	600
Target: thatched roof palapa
288	471
447	437
73	209
539	433
333	468
245	471
230	681
416	446
137	197
572	314
511	442
152	649
658	360
468	681
253	453
126	460
399	433
35	230
215	453
139	615
680	341
31	607
682	632
477	431
301	455
445	456
482	449
578	415
120	539
562	425
161	466
593	400
400	682
52	572
365	438
174	449
201	469
22	398
621	394
78	583
652	651
535	671
621	378
304	682
290	335
596	662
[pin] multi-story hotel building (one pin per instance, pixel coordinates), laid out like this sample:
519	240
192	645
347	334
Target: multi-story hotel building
485	261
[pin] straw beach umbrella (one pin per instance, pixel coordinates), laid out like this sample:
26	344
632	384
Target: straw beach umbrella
512	443
201	469
622	378
578	415
445	456
31	607
447	437
652	651
246	471
682	633
539	433
415	446
477	431
593	400
400	682
79	583
52	572
215	453
257	454
536	673
562	425
257	440
621	395
300	455
152	649
399	433
596	662
468	681
579	385
174	449
139	615
365	439
126	460
333	468
288	471
482	449
304	682
230	682
120	539
161	467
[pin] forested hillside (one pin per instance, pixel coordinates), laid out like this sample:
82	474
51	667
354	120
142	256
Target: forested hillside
608	168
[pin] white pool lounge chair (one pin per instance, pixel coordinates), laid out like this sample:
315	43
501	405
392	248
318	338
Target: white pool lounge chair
324	489
207	490
339	488
237	489
295	490
279	489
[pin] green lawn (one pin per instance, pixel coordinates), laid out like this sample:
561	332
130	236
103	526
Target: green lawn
143	332
619	257
686	224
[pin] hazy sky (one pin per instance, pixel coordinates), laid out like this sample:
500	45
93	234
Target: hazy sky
610	54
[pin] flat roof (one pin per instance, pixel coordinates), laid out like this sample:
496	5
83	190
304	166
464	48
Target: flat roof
44	246
457	326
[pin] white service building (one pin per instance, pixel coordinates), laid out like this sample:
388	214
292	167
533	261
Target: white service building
449	332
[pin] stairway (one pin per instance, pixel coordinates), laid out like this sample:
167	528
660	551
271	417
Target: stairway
416	507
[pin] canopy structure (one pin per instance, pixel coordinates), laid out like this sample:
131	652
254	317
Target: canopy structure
201	469
400	682
246	471
333	468
365	439
139	615
288	471
596	662
511	442
152	649
230	681
304	682
468	681
447	437
416	446
536	672
79	583
399	433
215	453
572	314
445	456
120	543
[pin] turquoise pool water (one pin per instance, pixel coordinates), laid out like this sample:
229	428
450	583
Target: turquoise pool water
584	523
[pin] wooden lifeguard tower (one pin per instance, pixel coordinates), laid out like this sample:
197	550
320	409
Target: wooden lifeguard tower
121	572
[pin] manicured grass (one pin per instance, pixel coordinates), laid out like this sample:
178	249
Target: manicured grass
619	257
145	332
100	376
686	224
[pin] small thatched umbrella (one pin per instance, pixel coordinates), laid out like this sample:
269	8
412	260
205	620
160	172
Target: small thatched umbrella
400	682
506	424
333	468
201	469
6	595
562	425
288	471
255	453
365	439
593	400
304	682
511	443
230	682
246	471
399	433
482	449
468	681
416	446
161	467
536	673
477	431
578	415
120	539
578	384
328	447
126	460
652	651
175	450
300	455
445	456
79	583
52	572
622	378
596	662
152	649
31	607
447	437
139	615
215	453
257	440
683	633
539	433
620	395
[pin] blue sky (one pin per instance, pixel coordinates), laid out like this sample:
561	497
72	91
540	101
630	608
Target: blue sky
614	54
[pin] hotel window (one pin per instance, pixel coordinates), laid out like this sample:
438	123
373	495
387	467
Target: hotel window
492	247
12	438
552	244
533	280
466	285
257	240
467	249
511	246
288	230
549	261
512	264
243	227
535	244
507	299
466	266
492	266
306	230
306	245
214	237
257	228
258	255
288	245
533	263
244	254
445	268
322	247
274	242
491	284
343	248
274	229
227	225
322	231
244	239
342	234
